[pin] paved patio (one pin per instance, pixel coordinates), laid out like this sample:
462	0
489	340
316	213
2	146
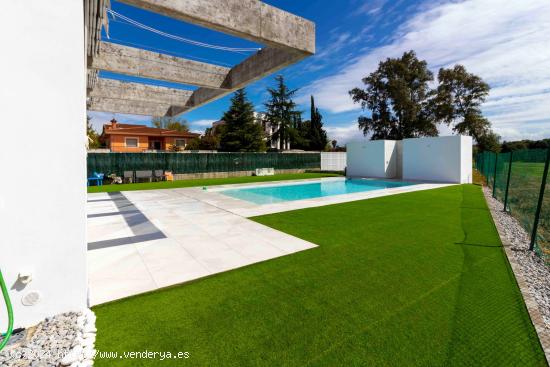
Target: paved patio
139	241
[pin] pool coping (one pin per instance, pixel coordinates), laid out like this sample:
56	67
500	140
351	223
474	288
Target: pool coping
215	197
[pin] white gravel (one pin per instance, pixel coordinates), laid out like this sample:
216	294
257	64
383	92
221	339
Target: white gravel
535	272
63	340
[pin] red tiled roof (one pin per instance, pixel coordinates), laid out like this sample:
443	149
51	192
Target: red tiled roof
128	129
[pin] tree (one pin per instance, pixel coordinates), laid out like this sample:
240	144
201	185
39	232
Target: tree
205	142
193	144
397	95
281	112
458	100
93	136
171	123
299	133
241	133
317	135
489	141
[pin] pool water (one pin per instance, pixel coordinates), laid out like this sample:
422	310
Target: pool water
290	192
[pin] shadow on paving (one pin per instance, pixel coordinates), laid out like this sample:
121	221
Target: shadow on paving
142	228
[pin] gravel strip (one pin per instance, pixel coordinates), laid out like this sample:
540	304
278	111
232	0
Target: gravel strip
535	272
63	340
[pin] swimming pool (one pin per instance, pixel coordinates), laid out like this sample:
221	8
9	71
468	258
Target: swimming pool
291	192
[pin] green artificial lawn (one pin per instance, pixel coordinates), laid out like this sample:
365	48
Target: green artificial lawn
416	279
205	182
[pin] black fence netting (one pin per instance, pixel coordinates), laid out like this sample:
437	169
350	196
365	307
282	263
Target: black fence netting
117	163
518	181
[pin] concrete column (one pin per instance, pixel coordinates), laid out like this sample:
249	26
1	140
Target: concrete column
43	157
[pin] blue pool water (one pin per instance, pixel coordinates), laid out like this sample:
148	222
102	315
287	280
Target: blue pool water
290	192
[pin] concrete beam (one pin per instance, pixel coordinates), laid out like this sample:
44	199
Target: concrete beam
147	64
125	97
102	104
257	66
289	39
250	19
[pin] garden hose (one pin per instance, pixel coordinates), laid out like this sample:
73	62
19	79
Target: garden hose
10	313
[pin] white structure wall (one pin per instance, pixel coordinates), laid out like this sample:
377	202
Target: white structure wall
333	161
438	159
377	158
42	155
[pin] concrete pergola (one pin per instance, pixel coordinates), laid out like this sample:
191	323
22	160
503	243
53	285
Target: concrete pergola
287	39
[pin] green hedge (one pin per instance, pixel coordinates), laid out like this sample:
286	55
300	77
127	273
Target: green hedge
108	163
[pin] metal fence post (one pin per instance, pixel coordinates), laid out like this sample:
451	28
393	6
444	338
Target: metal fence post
487	171
495	176
508	181
539	205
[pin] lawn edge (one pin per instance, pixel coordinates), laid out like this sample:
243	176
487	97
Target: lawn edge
532	306
320	175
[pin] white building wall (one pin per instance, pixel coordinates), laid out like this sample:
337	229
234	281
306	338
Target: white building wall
42	155
466	151
439	159
371	159
399	159
333	161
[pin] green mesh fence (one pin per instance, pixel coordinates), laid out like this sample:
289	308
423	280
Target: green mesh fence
117	163
525	181
516	180
501	175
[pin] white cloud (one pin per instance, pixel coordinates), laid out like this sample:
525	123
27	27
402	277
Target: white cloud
370	7
202	123
344	134
505	42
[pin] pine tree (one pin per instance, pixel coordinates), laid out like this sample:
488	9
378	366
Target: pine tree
241	133
317	135
281	112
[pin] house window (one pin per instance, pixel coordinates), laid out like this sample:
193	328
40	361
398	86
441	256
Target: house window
180	143
131	142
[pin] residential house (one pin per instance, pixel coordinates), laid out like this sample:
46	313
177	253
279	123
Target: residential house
127	138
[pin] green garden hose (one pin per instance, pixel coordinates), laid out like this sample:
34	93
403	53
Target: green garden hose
10	312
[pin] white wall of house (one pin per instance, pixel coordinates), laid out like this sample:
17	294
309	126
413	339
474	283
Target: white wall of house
42	155
439	159
333	161
375	158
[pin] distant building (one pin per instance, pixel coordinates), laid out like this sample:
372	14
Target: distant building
259	117
139	138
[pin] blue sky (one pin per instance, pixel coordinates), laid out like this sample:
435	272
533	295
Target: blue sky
505	42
